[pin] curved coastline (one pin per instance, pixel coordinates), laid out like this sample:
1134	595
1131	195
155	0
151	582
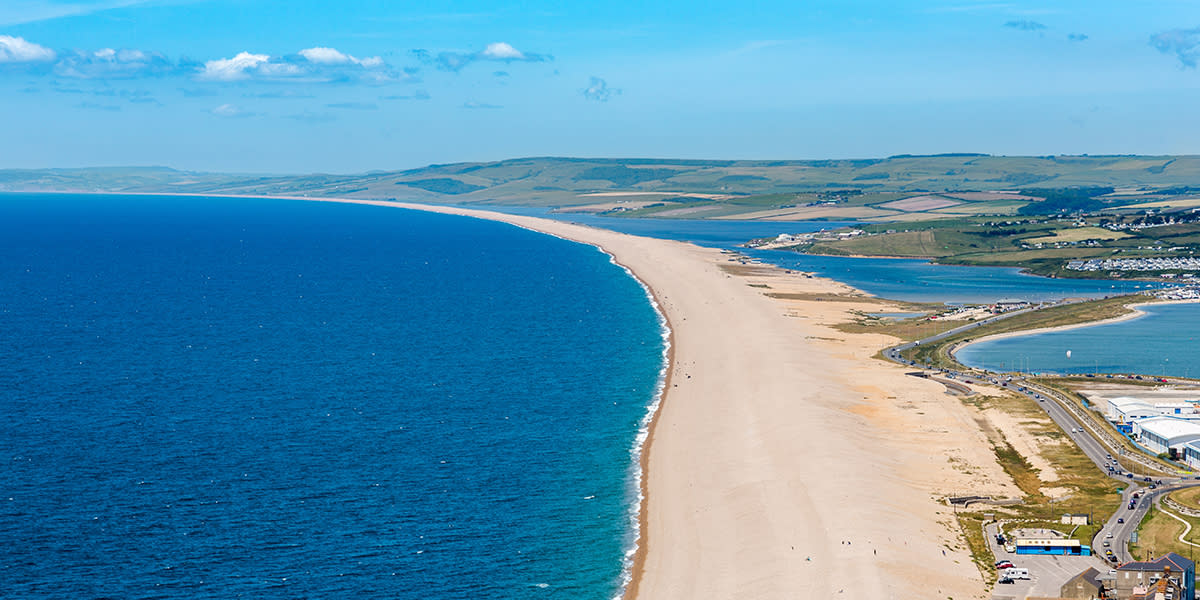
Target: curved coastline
1135	313
736	497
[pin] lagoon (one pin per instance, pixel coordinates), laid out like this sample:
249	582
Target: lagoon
1163	342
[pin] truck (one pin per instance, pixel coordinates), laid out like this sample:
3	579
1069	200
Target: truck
1016	573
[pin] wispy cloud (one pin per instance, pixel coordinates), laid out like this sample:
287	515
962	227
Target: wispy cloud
598	90
1183	43
197	92
281	94
230	111
97	106
311	117
1077	37
353	106
20	50
108	63
496	51
480	105
14	12
1025	25
417	95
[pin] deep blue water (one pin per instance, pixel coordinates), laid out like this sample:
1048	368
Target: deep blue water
914	280
1166	341
210	398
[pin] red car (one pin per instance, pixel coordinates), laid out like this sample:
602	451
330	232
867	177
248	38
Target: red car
1004	564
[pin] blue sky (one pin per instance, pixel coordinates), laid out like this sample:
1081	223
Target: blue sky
319	86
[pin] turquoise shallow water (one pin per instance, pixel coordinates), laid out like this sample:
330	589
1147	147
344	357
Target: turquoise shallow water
214	398
1164	342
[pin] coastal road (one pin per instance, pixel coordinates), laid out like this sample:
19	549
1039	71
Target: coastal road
1124	520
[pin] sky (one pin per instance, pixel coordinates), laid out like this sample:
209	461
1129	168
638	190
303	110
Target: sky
302	86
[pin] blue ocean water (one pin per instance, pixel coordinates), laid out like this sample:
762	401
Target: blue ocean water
1166	341
216	398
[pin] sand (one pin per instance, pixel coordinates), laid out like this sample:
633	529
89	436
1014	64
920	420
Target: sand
786	461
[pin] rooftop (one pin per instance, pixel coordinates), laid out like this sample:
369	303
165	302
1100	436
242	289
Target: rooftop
1167	427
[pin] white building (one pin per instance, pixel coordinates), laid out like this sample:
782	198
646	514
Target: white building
1128	410
1191	454
1160	434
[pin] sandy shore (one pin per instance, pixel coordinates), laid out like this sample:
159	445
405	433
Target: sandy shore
785	461
1136	313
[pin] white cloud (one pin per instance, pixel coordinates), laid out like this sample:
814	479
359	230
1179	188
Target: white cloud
19	50
233	69
332	56
231	111
311	65
501	51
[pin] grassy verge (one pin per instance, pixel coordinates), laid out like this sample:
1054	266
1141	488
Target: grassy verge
1159	534
1067	387
981	553
1189	497
937	353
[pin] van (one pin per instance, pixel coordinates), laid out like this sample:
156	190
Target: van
1016	573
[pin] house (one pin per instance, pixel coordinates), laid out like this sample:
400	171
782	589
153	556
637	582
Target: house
1076	519
1084	586
1144	577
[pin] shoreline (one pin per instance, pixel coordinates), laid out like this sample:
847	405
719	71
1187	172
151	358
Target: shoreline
766	402
1135	313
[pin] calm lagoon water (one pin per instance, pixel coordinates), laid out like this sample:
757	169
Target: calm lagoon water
913	280
1164	342
215	398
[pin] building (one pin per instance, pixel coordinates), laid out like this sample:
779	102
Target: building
1084	586
1076	519
1191	454
1127	410
1063	547
1161	434
1145	578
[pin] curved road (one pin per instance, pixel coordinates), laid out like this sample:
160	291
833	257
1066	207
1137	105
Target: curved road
1089	441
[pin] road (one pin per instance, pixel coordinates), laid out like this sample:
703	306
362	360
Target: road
1097	445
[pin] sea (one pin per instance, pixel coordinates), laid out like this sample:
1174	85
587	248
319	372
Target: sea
244	398
1163	342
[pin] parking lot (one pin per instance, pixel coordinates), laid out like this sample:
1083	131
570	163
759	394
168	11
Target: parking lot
1047	573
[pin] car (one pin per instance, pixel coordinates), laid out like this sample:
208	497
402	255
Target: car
1005	580
1147	479
1004	565
1129	475
1121	520
1108	535
1153	486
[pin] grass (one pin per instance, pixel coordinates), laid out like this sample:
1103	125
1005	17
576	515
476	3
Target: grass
1083	312
1159	534
1078	234
1189	497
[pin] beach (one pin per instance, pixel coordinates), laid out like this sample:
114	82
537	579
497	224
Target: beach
785	460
